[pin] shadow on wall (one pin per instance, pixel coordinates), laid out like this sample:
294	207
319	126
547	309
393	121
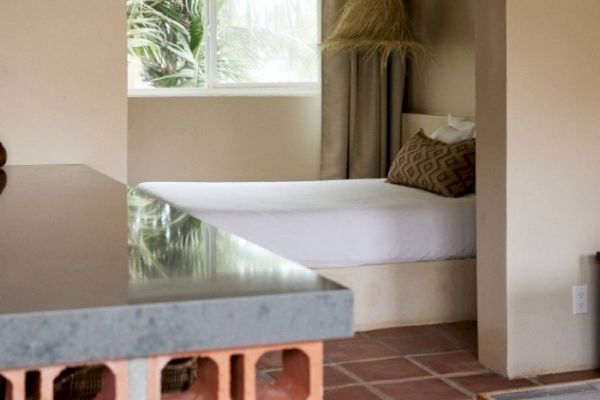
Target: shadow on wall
589	267
442	79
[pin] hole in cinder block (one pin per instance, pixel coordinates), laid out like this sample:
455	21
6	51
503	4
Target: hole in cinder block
190	378
5	389
237	377
289	382
33	382
95	382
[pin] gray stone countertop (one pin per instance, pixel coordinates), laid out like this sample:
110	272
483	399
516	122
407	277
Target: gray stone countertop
90	269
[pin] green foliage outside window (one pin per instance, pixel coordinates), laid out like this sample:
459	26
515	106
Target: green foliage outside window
167	37
256	41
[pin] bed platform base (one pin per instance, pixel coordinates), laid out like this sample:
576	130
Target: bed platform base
405	294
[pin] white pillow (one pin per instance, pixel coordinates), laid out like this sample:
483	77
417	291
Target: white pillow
456	131
462	125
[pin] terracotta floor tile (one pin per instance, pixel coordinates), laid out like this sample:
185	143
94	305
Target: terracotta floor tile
569	377
350	393
428	342
447	363
490	382
333	377
428	389
462	326
462	332
457	343
400	332
354	350
394	368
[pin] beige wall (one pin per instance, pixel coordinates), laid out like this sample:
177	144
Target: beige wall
553	184
224	138
552	188
442	80
63	83
491	183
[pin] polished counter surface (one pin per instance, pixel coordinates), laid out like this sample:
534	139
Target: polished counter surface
90	269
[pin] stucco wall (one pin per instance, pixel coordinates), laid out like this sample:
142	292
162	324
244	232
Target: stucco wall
63	83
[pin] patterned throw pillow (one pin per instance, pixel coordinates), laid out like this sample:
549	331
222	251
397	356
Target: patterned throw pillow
446	169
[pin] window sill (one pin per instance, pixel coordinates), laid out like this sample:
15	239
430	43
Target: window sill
309	91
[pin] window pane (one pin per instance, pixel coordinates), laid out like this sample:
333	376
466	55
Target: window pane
267	41
166	43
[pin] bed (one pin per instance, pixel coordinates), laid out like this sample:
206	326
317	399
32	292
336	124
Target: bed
408	254
342	223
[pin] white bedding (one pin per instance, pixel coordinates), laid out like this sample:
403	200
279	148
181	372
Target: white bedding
333	223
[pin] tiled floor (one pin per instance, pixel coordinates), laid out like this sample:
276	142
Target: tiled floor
413	363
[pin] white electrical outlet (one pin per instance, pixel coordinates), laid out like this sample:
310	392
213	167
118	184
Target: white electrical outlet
580	299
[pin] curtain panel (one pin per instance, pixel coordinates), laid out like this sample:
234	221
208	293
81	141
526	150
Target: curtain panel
361	109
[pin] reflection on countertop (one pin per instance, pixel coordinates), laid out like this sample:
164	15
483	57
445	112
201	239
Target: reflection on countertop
63	239
173	256
72	238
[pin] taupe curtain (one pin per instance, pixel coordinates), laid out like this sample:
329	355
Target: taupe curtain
362	110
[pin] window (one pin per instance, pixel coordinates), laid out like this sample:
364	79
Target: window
208	44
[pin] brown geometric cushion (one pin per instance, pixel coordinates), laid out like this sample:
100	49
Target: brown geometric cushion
425	163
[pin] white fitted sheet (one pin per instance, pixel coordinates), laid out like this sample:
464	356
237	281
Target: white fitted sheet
333	223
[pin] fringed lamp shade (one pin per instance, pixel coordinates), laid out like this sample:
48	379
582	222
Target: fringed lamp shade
373	27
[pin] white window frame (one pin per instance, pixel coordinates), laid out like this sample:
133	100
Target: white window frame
213	88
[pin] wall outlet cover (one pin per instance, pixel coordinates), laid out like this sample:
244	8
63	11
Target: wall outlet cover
580	299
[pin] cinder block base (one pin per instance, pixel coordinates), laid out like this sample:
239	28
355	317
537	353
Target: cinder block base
114	381
301	378
220	375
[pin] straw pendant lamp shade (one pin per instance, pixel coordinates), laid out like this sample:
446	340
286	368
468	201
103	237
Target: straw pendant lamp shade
373	27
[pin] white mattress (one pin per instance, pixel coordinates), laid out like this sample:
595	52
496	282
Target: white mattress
333	223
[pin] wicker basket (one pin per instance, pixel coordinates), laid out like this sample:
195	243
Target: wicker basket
78	383
178	375
84	383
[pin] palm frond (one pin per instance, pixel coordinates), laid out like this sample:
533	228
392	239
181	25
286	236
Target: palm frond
167	37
